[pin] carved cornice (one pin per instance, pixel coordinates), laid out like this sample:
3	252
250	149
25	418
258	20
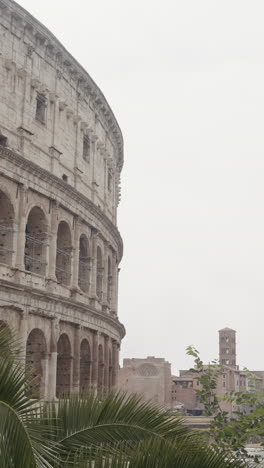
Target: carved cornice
37	36
67	191
66	302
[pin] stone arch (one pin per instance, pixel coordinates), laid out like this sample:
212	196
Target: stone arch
100	370
99	273
84	272
109	280
147	370
63	254
36	349
64	366
6	229
85	366
36	242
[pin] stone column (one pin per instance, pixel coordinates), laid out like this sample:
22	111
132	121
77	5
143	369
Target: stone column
76	360
106	367
76	250
105	276
21	227
93	272
45	377
95	362
22	336
104	155
53	240
93	139
51	394
116	347
114	289
76	120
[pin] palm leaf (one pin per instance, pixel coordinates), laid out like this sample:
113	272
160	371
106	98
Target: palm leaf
155	453
88	423
22	440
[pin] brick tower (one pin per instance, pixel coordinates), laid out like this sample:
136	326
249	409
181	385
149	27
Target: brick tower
227	347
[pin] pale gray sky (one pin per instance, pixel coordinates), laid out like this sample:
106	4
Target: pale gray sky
185	79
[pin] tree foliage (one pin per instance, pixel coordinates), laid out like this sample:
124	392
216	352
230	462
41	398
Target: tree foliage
119	432
230	433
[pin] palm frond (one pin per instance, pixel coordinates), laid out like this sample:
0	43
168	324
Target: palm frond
155	453
9	344
22	435
88	423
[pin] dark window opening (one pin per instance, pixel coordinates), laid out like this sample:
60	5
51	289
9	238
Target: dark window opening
65	177
109	180
41	108
3	140
86	148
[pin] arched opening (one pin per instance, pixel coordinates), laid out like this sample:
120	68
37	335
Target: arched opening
100	371
110	371
84	273
63	257
6	229
36	242
64	360
35	354
85	366
109	280
99	273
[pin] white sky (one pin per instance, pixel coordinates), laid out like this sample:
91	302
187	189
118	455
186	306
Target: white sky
185	79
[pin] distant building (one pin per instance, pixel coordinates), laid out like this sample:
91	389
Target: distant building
227	347
230	379
149	377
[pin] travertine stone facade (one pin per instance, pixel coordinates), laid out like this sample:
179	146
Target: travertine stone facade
61	155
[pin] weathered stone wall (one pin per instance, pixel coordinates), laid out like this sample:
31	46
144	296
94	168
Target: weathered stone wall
150	378
61	154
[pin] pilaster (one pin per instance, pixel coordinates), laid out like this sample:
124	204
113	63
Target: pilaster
76	251
95	362
115	362
21	227
23	333
106	366
76	360
51	394
53	240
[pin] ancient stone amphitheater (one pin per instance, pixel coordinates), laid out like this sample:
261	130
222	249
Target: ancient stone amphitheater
61	154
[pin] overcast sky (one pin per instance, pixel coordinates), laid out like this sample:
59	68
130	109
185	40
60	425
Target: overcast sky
185	79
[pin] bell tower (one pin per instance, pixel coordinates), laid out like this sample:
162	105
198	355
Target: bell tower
227	347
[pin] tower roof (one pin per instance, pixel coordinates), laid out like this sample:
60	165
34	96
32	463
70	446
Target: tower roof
227	329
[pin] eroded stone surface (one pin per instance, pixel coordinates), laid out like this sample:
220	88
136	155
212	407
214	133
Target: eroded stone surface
61	154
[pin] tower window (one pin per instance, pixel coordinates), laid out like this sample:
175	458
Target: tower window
86	148
41	108
65	178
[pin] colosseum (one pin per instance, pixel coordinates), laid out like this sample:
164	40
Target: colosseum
61	155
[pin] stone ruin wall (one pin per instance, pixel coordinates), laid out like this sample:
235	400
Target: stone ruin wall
61	154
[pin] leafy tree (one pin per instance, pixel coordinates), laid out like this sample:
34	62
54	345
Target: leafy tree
119	432
230	433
